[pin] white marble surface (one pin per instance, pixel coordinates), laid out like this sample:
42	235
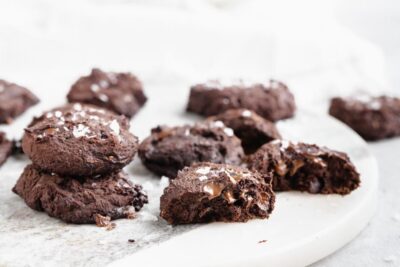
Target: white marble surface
379	243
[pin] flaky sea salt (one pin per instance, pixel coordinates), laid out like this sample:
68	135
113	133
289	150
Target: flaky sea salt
103	97
114	126
228	131
77	107
203	177
80	130
94	87
203	170
219	124
375	105
103	84
246	113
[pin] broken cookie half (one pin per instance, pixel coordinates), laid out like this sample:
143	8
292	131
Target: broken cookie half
305	167
207	192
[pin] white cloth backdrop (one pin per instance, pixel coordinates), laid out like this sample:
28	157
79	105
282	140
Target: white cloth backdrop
296	41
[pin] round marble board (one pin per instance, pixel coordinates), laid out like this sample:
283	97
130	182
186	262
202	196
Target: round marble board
302	229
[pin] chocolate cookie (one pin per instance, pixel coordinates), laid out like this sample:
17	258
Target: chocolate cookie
252	129
14	100
272	100
79	140
119	92
305	167
373	118
6	147
168	149
207	192
80	200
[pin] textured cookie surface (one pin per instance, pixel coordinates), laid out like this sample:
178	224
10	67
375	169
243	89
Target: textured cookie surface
14	100
373	118
80	200
272	100
208	192
79	140
252	129
119	92
168	149
305	167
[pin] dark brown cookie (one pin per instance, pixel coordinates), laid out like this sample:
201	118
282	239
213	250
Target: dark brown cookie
119	92
373	118
207	192
14	100
168	149
79	140
6	147
272	100
80	200
304	167
252	129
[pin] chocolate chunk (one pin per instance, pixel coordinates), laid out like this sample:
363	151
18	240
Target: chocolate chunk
305	167
252	129
14	100
79	140
207	192
272	100
119	92
373	118
80	200
168	149
6	147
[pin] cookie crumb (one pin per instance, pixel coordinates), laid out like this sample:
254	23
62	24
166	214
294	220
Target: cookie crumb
102	221
130	214
111	226
262	241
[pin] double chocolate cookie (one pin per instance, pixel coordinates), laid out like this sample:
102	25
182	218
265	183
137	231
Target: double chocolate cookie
305	167
80	200
252	129
207	192
169	149
373	118
119	92
14	100
79	140
272	100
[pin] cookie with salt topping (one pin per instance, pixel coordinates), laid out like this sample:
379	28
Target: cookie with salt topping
372	117
271	100
111	195
169	149
79	140
120	92
207	192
